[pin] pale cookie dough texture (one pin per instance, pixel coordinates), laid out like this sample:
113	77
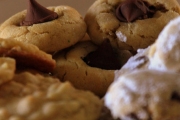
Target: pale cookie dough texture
103	23
145	95
165	53
7	69
34	97
50	36
71	67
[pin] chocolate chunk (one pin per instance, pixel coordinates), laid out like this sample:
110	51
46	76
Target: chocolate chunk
131	10
175	96
106	114
37	14
104	57
133	116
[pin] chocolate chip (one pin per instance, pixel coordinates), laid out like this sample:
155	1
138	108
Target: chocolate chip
104	57
133	116
131	10
37	14
106	114
175	96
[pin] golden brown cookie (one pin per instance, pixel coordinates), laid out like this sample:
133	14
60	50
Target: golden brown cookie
7	69
145	95
129	24
26	55
72	66
51	36
34	97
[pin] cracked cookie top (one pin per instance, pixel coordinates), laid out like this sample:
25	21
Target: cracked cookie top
102	21
50	36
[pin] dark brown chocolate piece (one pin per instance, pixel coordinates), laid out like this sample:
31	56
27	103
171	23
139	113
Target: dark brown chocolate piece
37	14
106	114
133	116
131	10
104	57
175	96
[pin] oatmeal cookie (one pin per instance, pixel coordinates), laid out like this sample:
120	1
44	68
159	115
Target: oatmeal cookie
145	95
7	69
129	24
64	29
34	97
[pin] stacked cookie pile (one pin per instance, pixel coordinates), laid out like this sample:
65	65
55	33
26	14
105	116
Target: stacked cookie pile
28	91
28	94
58	65
148	85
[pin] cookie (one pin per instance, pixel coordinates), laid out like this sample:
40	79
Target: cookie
140	61
165	53
34	97
7	69
86	70
129	24
54	29
27	55
162	55
106	113
145	95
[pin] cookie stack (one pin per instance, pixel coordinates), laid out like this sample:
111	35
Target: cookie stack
58	65
148	85
28	91
27	96
123	36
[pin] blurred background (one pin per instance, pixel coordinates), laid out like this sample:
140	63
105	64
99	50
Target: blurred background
10	7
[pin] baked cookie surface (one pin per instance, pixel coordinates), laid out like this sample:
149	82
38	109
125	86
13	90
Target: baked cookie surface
102	23
34	97
145	95
163	55
7	69
49	36
27	55
70	66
